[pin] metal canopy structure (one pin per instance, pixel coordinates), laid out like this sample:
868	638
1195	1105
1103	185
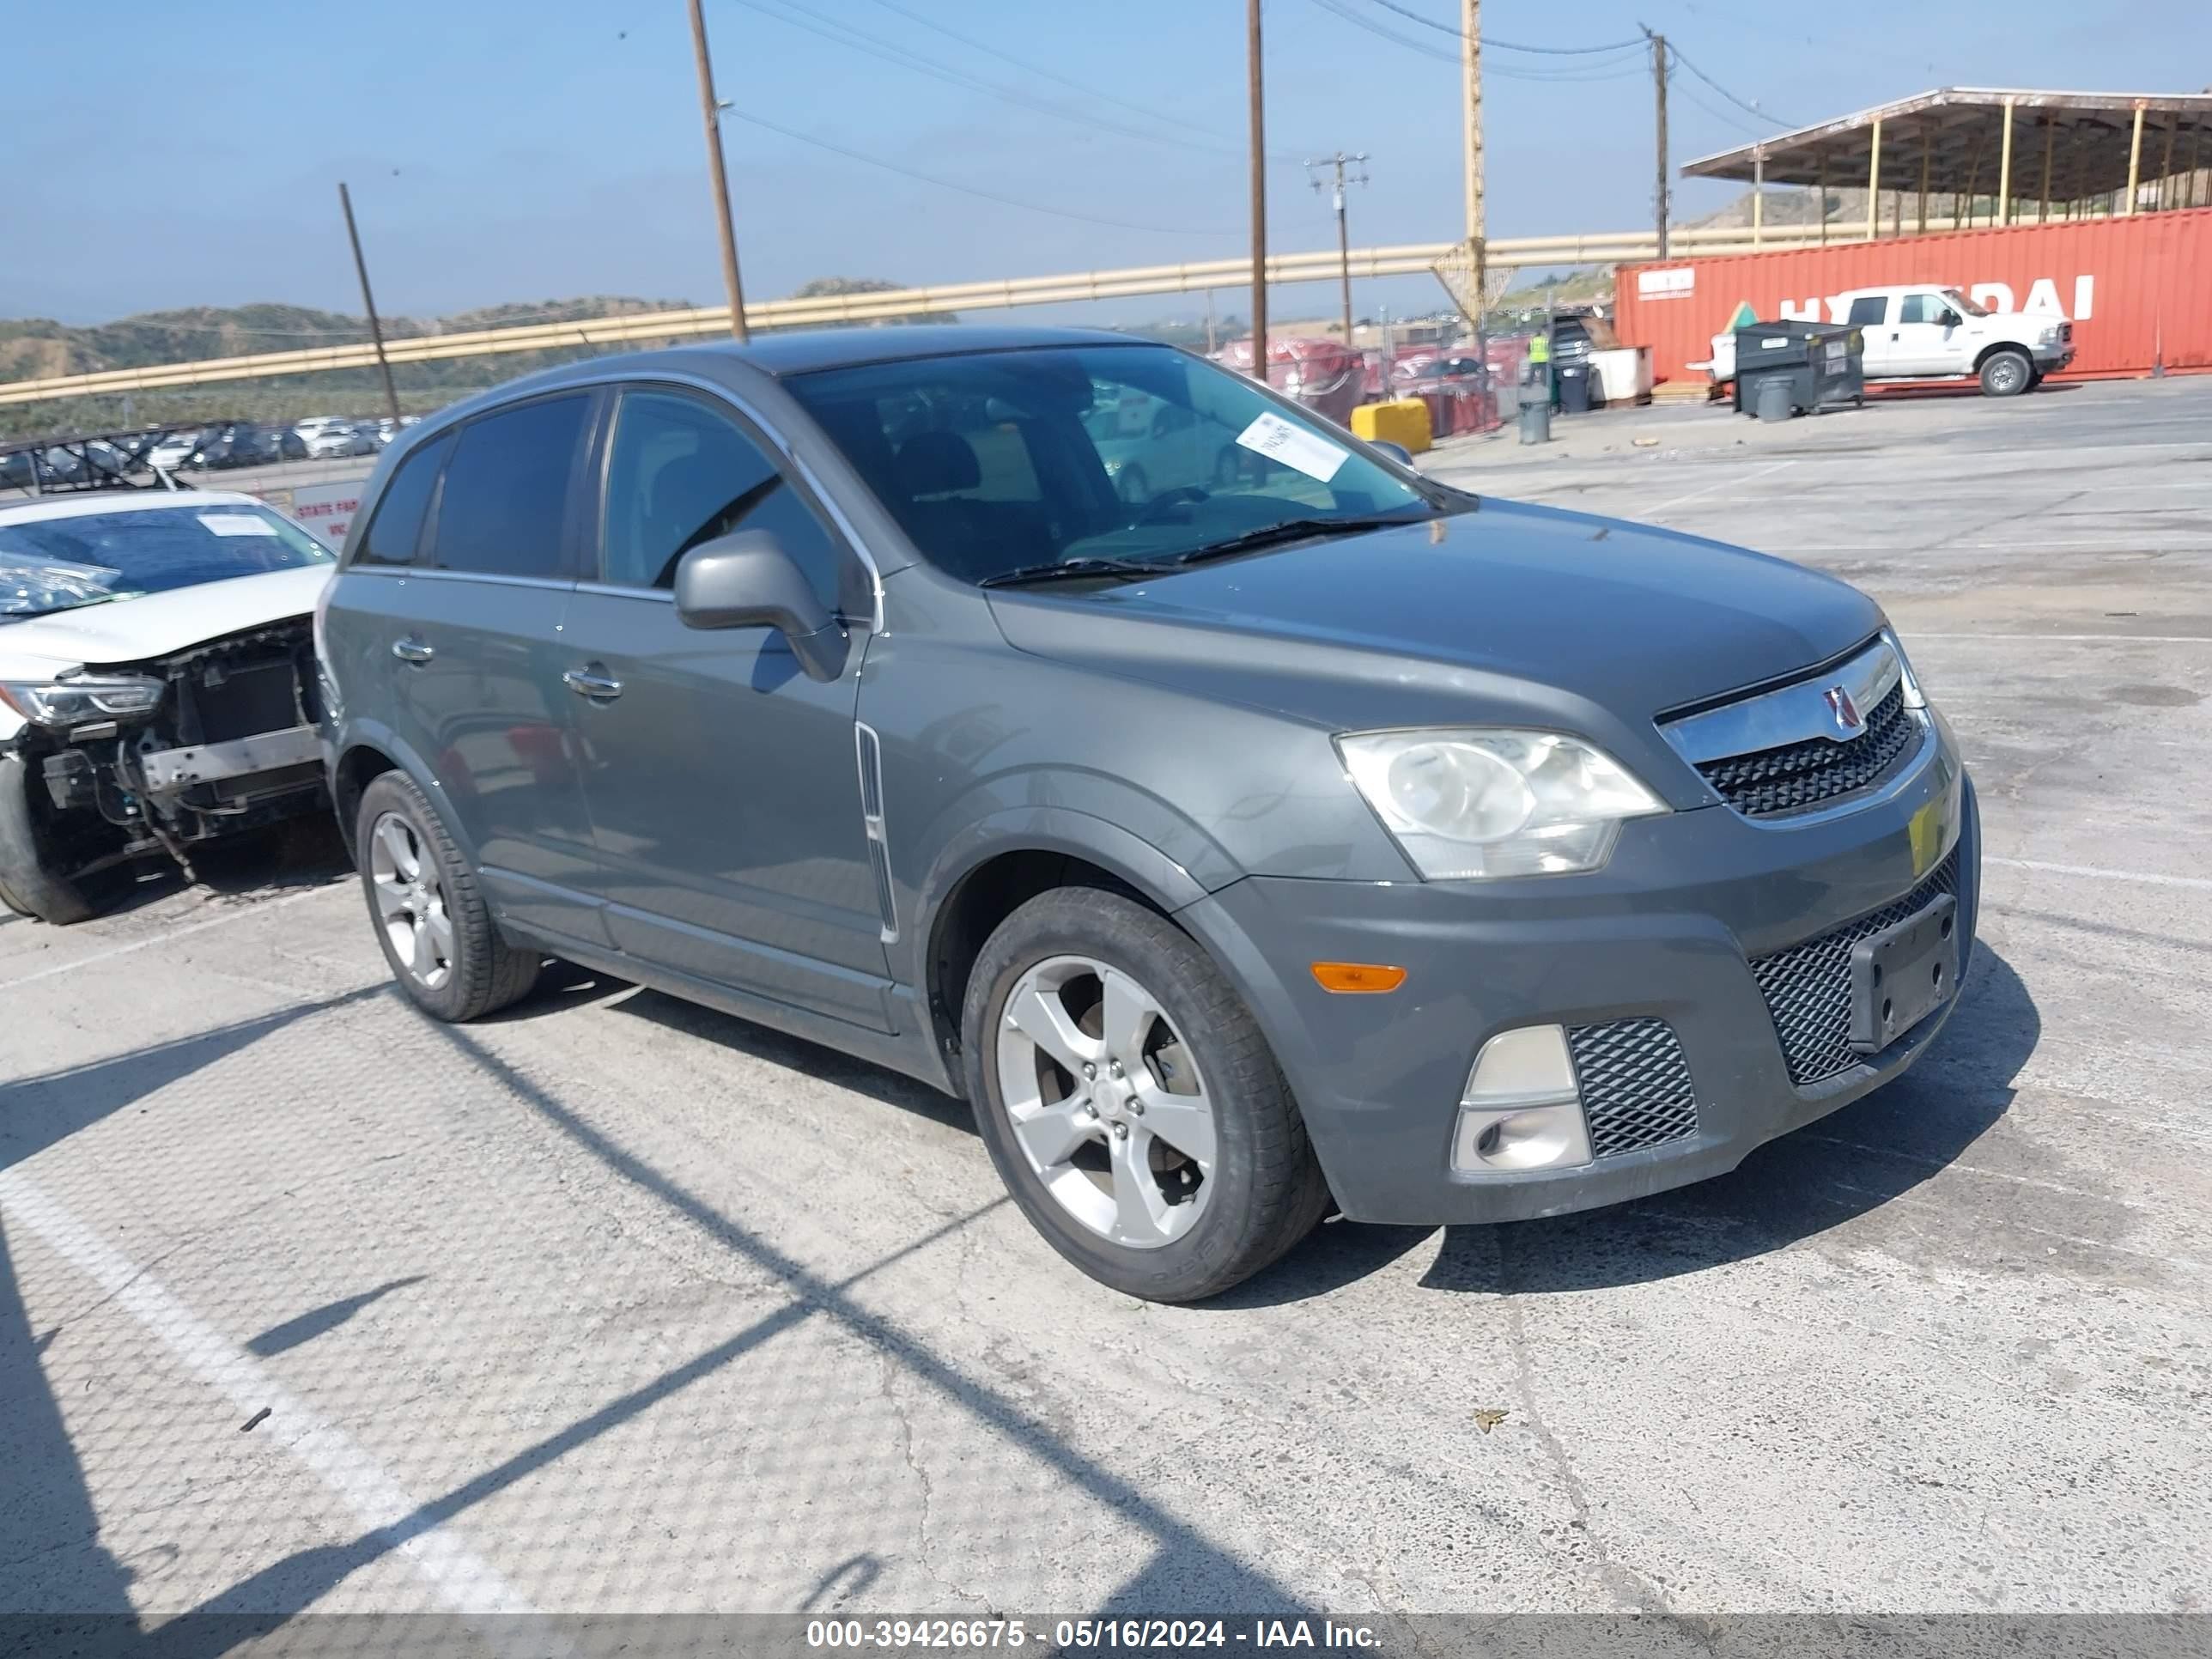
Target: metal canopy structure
2029	154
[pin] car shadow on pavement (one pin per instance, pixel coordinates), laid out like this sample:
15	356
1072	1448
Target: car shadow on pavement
773	1048
284	858
1829	1173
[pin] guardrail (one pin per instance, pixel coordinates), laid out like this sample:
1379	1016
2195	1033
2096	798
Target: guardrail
1412	259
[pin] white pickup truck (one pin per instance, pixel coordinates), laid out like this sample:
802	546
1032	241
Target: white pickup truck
1919	331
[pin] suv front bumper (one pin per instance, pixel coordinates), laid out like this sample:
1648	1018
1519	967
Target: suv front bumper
1667	931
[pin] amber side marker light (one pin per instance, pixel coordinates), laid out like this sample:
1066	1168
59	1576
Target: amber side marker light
1358	978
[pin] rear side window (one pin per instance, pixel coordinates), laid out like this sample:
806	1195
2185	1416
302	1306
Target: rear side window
680	473
1868	310
396	529
506	490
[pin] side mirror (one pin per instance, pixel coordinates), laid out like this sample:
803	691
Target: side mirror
748	581
1396	451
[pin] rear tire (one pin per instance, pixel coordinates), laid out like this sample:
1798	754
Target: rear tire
2006	373
459	966
30	882
1222	1135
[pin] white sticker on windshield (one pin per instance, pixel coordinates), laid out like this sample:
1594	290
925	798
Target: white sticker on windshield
1278	440
237	523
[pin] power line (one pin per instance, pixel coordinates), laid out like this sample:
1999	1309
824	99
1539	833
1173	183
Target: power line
1748	108
1489	40
905	58
1735	122
1628	63
1054	75
947	184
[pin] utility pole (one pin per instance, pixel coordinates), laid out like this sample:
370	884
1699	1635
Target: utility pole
1470	61
1659	100
368	304
1259	193
1339	161
711	110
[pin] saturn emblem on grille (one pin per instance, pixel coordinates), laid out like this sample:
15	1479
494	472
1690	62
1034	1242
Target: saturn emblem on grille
1845	711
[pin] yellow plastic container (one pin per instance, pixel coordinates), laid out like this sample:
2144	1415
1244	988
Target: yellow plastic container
1405	422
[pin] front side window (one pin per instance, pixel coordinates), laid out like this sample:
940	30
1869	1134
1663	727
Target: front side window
994	462
680	473
507	490
1868	310
397	528
1924	309
58	564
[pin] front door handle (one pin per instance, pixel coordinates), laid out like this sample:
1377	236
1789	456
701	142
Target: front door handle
412	650
593	681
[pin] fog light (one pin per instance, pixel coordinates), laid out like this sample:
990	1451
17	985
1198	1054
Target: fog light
1521	1109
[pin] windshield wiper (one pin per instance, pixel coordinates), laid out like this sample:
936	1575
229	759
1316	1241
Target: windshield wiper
1068	570
1290	530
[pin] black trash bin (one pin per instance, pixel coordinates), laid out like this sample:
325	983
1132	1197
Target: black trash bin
1574	387
1821	363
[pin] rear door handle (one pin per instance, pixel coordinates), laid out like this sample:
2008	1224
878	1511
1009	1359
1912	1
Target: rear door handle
412	650
593	681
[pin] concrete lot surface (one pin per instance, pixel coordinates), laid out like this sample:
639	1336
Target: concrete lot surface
613	1303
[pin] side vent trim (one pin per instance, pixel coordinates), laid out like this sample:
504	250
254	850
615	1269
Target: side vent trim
869	753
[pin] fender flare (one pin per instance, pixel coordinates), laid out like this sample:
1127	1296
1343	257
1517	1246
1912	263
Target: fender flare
360	734
1080	835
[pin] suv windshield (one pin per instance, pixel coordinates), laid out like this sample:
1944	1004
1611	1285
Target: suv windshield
1959	300
58	564
1094	457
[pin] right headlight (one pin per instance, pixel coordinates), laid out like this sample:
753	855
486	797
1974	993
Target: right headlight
1483	803
1907	679
70	699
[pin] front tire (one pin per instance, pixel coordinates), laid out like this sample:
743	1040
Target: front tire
33	882
1130	1101
437	934
2006	374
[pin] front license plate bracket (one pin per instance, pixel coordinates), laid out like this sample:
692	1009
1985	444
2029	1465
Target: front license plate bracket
1903	974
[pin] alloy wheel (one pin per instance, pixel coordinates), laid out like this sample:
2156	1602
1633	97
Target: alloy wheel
410	901
1106	1102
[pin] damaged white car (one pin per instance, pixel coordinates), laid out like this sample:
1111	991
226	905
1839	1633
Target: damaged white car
157	686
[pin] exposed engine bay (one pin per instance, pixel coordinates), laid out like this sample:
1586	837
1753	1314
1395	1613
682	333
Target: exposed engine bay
230	745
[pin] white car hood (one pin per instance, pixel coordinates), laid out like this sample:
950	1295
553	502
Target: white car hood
156	624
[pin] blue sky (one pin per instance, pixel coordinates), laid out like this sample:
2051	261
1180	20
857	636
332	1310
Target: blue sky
500	151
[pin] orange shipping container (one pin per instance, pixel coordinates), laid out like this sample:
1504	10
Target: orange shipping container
2139	290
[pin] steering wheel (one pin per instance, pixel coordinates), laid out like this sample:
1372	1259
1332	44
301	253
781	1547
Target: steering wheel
1181	495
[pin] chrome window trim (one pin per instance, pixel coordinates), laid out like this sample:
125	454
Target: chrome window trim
408	573
785	453
1787	714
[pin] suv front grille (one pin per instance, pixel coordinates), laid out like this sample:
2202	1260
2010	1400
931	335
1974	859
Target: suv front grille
1635	1084
1799	776
1808	987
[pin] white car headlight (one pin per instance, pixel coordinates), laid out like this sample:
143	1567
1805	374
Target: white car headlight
1482	804
72	702
1907	681
2050	335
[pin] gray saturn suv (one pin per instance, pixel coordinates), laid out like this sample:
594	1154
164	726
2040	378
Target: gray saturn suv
1304	833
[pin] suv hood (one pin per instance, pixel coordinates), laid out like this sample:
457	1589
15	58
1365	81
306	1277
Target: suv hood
1507	610
156	624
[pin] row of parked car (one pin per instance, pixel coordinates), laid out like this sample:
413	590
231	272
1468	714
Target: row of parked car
77	462
246	443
